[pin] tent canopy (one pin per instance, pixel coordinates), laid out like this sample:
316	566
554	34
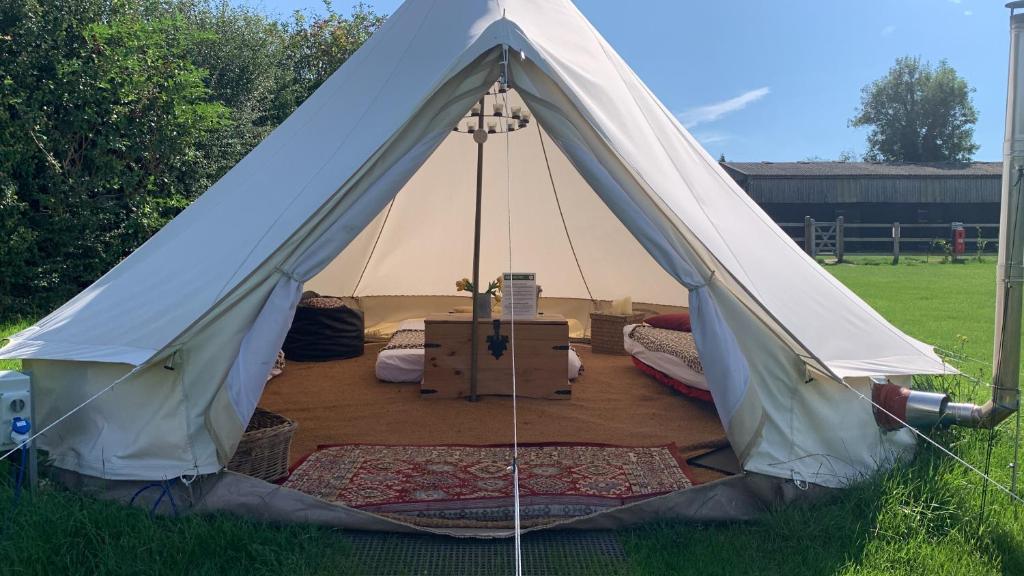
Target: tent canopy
366	190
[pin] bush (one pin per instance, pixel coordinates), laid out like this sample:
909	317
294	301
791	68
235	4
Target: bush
116	115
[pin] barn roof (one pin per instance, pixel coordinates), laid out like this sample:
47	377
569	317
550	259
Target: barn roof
870	182
810	169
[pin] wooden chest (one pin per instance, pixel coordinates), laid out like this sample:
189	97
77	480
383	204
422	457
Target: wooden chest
542	357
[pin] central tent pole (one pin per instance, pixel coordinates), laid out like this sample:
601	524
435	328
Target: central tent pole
480	136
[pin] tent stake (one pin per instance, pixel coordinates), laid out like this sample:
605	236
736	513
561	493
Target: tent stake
480	136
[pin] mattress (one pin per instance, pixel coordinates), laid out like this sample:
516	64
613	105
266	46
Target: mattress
670	352
401	359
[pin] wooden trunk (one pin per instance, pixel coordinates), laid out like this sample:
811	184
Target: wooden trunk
542	357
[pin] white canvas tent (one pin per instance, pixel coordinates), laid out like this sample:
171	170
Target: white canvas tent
190	322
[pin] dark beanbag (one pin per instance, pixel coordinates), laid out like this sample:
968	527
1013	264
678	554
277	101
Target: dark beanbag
324	329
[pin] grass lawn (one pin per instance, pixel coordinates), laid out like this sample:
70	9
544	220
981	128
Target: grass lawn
10	328
942	304
924	518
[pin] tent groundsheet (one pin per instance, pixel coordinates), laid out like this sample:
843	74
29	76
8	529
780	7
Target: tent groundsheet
742	497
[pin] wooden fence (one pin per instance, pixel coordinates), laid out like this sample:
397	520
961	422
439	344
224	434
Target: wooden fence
832	237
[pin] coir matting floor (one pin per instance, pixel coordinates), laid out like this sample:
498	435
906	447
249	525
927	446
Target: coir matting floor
342	402
544	553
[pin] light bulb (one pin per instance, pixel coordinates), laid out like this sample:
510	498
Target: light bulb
516	111
476	109
499	108
492	126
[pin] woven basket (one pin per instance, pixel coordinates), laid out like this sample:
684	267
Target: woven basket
263	451
606	331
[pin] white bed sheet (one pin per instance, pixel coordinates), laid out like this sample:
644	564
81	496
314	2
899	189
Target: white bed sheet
665	363
406	365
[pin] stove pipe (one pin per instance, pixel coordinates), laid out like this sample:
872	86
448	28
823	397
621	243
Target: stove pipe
927	409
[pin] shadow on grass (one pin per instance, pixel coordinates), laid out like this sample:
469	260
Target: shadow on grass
921	518
813	539
60	532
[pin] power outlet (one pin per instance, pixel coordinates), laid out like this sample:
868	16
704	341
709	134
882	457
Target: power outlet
15	400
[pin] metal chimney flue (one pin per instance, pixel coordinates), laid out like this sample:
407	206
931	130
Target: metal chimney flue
1010	272
929	409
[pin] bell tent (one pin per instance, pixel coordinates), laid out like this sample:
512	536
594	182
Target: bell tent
367	192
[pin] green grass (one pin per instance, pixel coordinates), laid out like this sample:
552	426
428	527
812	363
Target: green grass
5	330
923	518
941	304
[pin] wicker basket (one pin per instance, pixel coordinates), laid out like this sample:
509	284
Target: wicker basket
606	331
263	451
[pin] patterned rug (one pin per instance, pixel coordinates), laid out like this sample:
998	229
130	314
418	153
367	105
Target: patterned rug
471	486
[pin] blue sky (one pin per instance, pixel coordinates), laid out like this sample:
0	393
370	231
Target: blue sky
760	80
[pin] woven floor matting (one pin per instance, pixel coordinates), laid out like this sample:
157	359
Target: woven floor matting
342	402
545	553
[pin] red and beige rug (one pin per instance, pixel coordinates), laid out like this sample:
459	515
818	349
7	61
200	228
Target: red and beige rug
472	485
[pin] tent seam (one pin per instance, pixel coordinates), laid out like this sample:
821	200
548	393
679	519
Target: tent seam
380	233
334	153
558	203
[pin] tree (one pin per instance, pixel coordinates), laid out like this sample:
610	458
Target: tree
318	46
104	118
848	156
918	113
844	156
116	114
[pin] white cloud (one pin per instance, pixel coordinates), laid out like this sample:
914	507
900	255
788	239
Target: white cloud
707	138
711	112
968	12
954	1
888	30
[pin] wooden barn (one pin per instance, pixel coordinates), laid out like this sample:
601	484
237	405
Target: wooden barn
865	192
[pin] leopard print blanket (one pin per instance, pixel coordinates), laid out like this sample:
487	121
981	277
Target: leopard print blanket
671	342
322	302
405	340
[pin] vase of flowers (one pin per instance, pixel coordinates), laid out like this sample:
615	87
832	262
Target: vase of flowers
483	298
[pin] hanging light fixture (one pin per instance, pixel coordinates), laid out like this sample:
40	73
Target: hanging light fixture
494	108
